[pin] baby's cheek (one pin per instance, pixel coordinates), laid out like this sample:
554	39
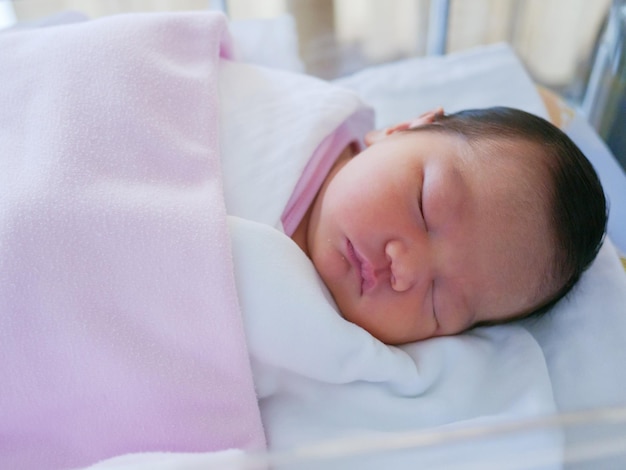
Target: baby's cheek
329	269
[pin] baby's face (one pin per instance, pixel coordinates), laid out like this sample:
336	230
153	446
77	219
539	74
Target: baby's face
416	237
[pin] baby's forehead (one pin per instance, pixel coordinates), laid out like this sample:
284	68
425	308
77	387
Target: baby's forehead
509	181
510	150
513	146
511	158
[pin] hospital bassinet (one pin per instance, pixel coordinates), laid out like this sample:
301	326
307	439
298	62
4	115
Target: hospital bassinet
574	417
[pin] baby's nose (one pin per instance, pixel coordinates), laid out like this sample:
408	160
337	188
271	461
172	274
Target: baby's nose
404	268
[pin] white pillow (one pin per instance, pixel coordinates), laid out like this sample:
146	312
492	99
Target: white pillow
583	336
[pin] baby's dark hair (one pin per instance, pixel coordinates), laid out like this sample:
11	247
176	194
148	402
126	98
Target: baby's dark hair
578	207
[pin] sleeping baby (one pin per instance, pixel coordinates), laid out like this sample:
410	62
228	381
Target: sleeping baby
124	327
446	222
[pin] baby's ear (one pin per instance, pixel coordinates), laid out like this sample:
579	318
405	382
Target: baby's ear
379	134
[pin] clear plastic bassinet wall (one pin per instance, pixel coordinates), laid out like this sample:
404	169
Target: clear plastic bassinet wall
585	440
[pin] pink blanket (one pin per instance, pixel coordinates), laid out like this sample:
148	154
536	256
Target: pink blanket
119	324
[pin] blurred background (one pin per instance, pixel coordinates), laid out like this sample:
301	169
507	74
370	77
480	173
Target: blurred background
572	47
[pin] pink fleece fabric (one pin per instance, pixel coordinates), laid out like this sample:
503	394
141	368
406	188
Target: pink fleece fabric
120	329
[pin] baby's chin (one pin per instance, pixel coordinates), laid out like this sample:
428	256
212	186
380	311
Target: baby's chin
378	326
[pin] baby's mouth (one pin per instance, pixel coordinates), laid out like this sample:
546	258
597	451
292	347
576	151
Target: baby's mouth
363	267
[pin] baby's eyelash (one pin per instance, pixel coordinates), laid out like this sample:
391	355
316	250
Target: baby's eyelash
432	301
421	207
